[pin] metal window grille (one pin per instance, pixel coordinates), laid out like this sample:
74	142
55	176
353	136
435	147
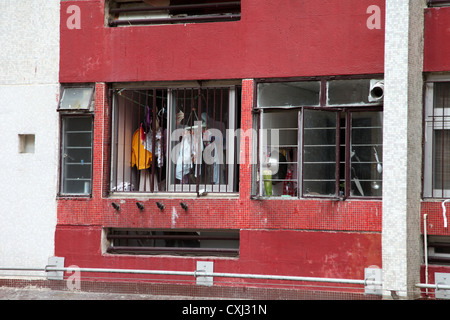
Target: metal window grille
175	140
180	242
437	140
76	157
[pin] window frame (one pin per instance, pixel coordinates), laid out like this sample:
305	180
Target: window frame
347	109
433	123
90	101
171	188
260	144
64	114
62	173
223	243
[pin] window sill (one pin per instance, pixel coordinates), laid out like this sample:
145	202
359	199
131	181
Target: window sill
278	198
168	256
435	199
74	197
172	21
171	195
274	198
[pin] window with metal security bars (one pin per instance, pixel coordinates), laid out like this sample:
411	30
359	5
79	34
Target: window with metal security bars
150	12
437	140
180	242
76	158
319	138
175	139
76	108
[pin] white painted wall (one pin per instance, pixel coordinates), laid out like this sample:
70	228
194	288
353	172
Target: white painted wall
29	69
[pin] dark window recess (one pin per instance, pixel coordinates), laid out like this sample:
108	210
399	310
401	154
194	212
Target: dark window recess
186	242
438	3
147	12
439	250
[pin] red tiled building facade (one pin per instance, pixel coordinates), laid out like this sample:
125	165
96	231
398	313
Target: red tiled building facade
270	42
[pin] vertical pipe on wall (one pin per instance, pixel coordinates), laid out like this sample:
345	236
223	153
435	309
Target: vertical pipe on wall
425	245
444	216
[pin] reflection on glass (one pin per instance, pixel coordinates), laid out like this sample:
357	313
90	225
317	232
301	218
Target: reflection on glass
76	98
366	150
288	94
346	92
441	97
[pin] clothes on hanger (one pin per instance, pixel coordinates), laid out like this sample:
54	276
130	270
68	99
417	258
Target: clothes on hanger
189	149
184	161
148	145
140	157
215	155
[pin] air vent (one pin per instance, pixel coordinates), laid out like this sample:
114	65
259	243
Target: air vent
439	250
170	242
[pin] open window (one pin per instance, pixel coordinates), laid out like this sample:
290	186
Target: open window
319	139
77	99
175	139
149	12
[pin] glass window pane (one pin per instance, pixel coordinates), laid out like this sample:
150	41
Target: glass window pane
76	98
437	126
366	154
279	153
288	94
441	166
347	92
319	153
441	96
77	155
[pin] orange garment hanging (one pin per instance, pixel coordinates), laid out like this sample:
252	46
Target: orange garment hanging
140	157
